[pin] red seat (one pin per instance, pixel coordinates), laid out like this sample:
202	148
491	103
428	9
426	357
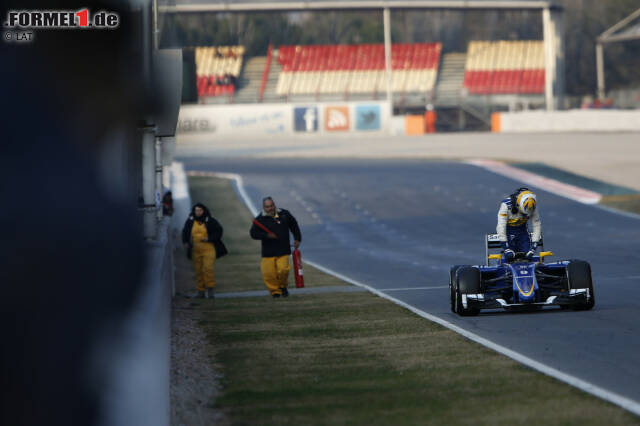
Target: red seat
478	82
498	82
532	82
361	57
540	81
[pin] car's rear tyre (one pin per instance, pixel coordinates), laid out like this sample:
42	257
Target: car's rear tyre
452	286
579	276
467	282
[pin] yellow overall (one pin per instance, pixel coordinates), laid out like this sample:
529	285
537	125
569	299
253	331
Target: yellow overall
275	273
204	254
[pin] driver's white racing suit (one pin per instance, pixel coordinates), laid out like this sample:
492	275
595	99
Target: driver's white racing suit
512	227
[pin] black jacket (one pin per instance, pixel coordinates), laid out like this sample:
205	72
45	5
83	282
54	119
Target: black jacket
280	226
214	231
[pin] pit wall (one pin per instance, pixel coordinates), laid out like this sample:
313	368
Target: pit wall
285	119
566	121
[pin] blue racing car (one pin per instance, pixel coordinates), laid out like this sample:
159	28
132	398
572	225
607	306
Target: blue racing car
522	283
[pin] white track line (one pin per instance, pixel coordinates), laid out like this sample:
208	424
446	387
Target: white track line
583	385
550	185
239	186
414	288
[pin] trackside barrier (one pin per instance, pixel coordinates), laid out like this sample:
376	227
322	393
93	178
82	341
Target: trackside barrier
139	355
297	119
414	125
398	125
495	122
566	121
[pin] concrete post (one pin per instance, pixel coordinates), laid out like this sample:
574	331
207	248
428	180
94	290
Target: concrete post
155	29
158	178
168	152
386	15
148	182
559	86
462	119
552	29
549	59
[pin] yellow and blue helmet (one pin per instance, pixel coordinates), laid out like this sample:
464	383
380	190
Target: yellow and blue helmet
526	202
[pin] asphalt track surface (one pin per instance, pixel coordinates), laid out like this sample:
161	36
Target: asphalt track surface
398	226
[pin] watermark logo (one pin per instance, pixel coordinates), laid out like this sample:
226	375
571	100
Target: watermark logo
19	25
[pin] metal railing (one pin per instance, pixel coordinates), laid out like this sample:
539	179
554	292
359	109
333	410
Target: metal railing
265	73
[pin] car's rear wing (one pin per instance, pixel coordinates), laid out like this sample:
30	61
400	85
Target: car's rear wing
493	245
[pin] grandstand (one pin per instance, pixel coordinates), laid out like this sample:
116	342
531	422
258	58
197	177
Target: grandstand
504	71
504	67
217	70
356	69
464	79
509	74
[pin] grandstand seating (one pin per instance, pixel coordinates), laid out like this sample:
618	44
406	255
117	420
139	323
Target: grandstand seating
356	69
505	67
217	68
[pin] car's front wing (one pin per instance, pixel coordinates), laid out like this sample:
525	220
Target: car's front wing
492	301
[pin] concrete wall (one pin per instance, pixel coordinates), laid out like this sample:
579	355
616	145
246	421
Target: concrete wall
567	121
625	98
138	353
285	119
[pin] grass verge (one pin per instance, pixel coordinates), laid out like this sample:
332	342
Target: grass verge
629	203
240	270
355	358
613	196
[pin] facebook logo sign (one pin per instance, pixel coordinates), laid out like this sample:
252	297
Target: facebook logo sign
305	119
368	117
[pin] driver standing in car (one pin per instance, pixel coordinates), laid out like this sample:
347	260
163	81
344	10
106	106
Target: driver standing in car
514	214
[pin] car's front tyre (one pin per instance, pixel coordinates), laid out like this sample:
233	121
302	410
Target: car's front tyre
579	277
467	282
452	286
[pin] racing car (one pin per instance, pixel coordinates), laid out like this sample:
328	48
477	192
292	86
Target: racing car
522	283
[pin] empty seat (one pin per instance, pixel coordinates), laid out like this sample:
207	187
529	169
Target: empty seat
335	69
216	66
504	67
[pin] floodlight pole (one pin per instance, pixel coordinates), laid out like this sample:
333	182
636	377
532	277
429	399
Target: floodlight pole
549	59
600	69
386	15
608	37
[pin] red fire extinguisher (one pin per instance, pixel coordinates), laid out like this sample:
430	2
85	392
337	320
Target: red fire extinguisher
297	266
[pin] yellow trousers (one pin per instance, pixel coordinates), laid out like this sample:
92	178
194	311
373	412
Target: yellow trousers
275	273
204	255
